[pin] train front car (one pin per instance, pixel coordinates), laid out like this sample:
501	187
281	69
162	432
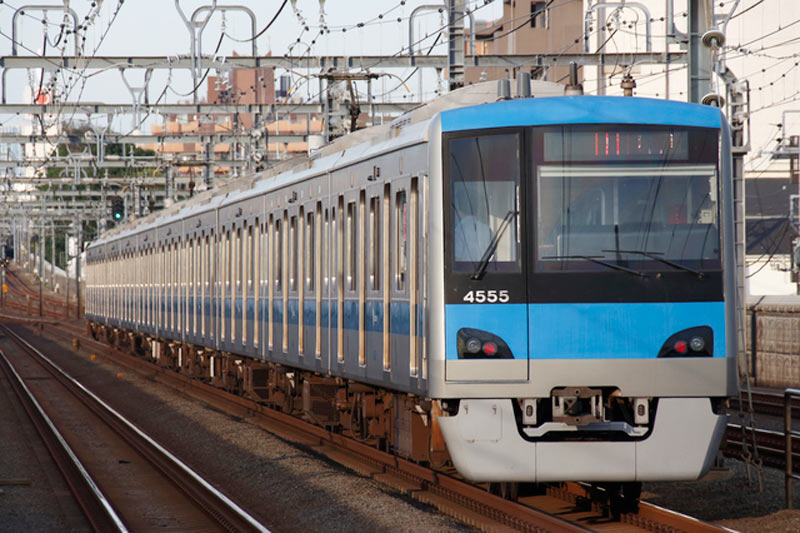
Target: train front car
588	288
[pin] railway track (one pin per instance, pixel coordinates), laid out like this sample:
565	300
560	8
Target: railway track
770	403
567	507
115	494
19	292
771	446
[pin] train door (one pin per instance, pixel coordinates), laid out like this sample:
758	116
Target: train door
374	250
262	298
293	290
250	289
309	311
326	243
405	310
279	325
350	298
486	312
337	284
237	272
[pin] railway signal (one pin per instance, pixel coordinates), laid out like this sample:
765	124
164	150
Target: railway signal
117	208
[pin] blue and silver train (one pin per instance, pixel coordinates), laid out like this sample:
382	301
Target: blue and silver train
535	289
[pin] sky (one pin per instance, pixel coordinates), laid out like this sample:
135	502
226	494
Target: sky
768	30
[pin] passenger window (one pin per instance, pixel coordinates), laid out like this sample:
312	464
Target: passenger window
310	252
374	247
401	254
352	246
293	254
278	254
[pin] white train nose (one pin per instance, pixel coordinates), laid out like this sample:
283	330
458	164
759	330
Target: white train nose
486	445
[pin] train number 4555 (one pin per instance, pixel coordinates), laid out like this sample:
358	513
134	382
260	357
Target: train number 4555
486	296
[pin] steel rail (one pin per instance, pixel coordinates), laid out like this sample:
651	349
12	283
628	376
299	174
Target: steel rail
98	510
769	403
229	515
771	446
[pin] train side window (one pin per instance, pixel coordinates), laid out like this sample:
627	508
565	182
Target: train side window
310	252
293	254
326	236
401	253
278	255
374	246
335	270
352	246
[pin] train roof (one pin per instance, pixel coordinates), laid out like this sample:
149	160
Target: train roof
582	110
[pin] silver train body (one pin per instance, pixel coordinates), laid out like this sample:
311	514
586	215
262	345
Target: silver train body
551	360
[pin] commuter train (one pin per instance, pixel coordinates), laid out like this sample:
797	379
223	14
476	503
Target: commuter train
531	289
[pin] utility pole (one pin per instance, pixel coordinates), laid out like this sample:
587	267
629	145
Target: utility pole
700	63
455	37
79	244
53	255
41	261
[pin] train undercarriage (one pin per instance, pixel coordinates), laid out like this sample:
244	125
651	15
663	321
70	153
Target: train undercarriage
395	422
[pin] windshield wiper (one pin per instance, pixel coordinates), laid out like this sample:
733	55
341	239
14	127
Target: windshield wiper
654	255
489	252
599	261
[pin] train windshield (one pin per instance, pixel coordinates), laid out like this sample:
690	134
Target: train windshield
485	175
626	197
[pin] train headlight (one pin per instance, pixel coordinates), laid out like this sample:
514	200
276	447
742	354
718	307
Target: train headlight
473	345
490	348
697	343
692	342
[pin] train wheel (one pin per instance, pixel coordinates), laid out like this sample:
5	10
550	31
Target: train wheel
508	490
623	498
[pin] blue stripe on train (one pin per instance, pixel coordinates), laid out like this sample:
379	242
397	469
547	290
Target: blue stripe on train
580	110
618	331
374	316
585	331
